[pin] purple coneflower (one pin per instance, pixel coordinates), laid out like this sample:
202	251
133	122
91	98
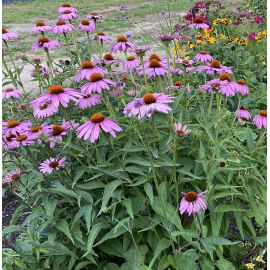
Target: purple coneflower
87	26
52	163
57	94
231	87
8	35
62	27
242	112
203	56
44	110
192	202
216	86
214	66
56	132
133	93
102	37
45	43
11	92
117	92
107	59
65	7
68	15
122	45
260	119
88	101
91	128
88	68
24	139
177	85
12	176
40	27
131	63
35	129
7	141
154	68
167	37
139	51
97	83
199	23
15	126
242	88
94	16
179	131
184	62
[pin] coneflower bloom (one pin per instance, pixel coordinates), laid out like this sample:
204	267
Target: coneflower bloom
8	35
88	26
57	94
117	92
45	43
199	23
40	27
179	131
216	86
154	56
42	71
88	68
133	93
177	85
140	51
44	110
132	107
131	63
88	101
102	37
214	66
65	7
68	15
12	176
242	112
167	37
35	129
56	131
97	83
91	128
15	126
122	45
229	89
192	202
24	139
204	57
62	27
11	92
94	16
242	88
154	68
184	62
260	119
52	163
7	141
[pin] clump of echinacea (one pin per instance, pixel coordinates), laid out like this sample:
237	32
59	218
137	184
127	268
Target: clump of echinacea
45	43
46	110
96	84
12	176
91	128
131	63
177	85
68	15
192	202
6	35
14	126
62	27
179	131
102	37
24	139
40	27
214	66
203	56
88	68
87	26
260	120
51	164
242	112
122	44
199	23
88	101
57	95
242	88
11	92
94	16
66	6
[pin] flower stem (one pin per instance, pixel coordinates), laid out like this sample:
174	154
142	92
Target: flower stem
199	224
15	104
50	62
71	56
168	64
210	104
218	122
8	71
89	45
160	84
144	76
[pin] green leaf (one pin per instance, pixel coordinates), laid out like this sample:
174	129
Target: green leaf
92	236
62	226
249	140
216	219
238	217
20	263
25	251
202	155
186	172
13	228
162	244
55	249
227	208
134	169
207	264
91	185
217	240
109	189
224	265
112	247
127	203
87	211
149	191
177	100
81	265
111	266
261	240
208	246
49	208
79	172
225	194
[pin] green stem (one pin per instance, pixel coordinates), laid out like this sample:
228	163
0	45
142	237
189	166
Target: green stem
160	84
229	133
218	122
168	64
15	104
89	45
199	224
8	71
210	104
144	76
71	56
76	46
50	62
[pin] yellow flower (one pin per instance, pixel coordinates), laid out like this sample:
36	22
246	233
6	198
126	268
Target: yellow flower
222	36
198	41
264	63
173	50
211	40
174	56
259	41
250	265
259	259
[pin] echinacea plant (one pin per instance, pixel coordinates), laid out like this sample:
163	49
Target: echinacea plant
160	164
